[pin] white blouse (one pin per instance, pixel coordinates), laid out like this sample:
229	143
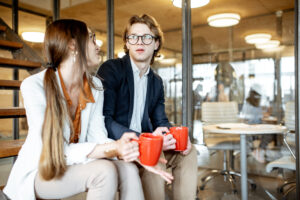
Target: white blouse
20	185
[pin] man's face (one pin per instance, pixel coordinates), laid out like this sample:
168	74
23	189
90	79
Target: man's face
141	52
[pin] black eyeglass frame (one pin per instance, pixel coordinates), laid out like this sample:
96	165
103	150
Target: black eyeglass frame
92	36
143	37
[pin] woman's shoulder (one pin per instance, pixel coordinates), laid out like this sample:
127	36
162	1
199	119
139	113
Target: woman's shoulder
33	81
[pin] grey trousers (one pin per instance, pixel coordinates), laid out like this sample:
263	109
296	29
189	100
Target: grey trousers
100	179
184	170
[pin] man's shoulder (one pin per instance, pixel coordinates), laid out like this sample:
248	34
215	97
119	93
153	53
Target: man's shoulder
156	77
117	63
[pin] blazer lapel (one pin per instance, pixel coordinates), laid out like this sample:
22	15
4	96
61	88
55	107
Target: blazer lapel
149	96
130	81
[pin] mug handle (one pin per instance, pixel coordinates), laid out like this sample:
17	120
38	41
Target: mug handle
138	141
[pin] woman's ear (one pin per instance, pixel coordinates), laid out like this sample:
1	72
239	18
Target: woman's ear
156	44
72	45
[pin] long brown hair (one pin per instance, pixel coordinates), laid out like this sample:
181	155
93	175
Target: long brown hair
58	35
153	26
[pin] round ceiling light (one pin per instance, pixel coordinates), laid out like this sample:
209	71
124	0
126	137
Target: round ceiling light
37	37
223	19
258	38
194	3
268	45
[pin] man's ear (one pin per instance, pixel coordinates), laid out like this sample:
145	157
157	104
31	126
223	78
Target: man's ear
72	45
127	45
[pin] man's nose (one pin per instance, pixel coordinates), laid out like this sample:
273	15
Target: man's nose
139	40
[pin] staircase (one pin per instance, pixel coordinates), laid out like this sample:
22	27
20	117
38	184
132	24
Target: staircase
24	58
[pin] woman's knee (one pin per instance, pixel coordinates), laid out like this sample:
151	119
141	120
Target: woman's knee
130	169
103	173
127	171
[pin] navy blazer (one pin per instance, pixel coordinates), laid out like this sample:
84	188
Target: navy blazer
118	82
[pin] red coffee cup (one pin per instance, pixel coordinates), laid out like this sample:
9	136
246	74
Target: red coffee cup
181	136
150	147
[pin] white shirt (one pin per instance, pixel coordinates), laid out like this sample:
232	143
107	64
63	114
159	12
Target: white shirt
252	114
139	99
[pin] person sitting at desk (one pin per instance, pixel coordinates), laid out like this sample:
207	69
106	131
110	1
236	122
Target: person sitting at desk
252	113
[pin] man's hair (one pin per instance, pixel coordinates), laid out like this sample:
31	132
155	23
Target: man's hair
153	26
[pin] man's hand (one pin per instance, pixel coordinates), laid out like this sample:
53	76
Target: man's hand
188	148
169	142
160	130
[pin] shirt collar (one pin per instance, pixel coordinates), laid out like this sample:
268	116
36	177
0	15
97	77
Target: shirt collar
84	97
135	69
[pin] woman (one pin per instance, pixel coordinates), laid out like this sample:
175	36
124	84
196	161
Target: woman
67	136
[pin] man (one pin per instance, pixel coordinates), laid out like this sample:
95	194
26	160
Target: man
134	102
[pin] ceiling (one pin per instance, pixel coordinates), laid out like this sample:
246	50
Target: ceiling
208	43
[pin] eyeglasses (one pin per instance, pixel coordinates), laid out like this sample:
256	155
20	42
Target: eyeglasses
146	39
92	36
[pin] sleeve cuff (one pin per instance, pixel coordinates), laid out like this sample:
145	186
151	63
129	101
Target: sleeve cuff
77	153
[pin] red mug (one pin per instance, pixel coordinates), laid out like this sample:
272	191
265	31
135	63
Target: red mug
180	134
150	147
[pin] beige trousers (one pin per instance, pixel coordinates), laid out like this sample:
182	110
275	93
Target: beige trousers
100	178
184	170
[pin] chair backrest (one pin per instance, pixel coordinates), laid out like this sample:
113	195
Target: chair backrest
289	138
219	112
290	115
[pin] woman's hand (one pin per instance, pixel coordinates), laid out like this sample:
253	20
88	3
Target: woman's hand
128	150
157	170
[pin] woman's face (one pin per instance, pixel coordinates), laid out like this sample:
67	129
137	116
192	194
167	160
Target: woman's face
93	50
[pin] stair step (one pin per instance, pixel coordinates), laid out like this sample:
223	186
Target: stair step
10	148
23	64
10	45
13	112
2	28
10	84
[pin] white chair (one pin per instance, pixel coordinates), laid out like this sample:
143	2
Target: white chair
222	112
287	161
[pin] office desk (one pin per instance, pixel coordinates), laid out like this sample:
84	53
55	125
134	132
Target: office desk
243	130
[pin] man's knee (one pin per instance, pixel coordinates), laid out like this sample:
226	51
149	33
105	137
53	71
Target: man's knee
191	158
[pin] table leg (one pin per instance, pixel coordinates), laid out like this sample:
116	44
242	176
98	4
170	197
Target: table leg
244	187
